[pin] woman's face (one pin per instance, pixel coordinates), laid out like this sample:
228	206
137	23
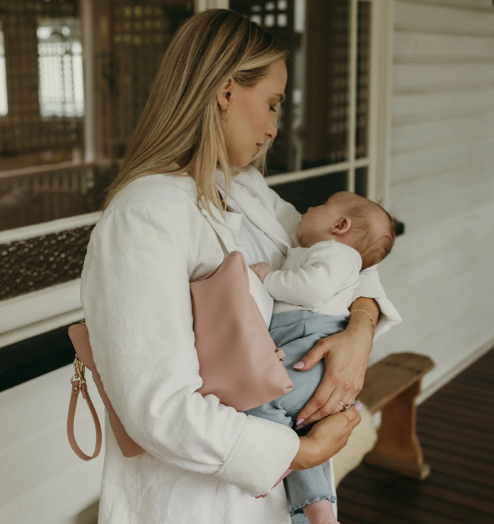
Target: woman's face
252	117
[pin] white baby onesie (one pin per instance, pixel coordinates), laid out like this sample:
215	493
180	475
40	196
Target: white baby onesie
321	278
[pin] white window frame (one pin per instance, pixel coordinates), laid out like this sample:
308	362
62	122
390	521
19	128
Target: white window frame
41	311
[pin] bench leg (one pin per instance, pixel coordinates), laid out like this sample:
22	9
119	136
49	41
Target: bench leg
398	447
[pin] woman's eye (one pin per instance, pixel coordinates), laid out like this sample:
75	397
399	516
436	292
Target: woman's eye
273	109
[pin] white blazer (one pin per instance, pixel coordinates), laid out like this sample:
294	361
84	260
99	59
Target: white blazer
204	462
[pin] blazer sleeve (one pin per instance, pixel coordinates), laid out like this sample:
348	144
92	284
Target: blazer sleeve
136	299
370	286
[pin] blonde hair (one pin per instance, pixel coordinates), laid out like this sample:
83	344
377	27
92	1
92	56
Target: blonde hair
180	130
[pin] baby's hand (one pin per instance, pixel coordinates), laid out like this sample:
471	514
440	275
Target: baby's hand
261	269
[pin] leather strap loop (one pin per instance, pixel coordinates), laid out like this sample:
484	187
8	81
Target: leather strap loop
76	388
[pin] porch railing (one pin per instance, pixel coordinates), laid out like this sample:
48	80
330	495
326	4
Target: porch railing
43	193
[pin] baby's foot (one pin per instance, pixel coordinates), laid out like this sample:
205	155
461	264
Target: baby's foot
320	512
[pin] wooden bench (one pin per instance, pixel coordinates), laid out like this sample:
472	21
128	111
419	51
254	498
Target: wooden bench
391	386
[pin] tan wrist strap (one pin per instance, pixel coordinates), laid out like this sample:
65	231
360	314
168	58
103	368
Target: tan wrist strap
76	388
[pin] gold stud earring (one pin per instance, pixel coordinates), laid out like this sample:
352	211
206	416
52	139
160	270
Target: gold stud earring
223	118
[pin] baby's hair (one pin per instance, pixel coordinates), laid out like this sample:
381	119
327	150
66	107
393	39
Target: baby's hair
374	247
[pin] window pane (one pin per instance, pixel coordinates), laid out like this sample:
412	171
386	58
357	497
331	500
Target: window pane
363	71
44	124
61	85
312	191
133	37
314	120
361	181
41	85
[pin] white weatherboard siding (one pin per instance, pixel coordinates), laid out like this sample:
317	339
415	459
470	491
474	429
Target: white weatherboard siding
440	273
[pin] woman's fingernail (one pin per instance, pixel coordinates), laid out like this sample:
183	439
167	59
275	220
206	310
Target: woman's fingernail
299	427
358	406
298	365
300	420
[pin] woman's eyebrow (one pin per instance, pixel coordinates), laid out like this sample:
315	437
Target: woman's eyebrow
281	96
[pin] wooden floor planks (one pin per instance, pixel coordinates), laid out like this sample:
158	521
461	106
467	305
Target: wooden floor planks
456	430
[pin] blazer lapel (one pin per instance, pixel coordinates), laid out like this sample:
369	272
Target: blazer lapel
257	214
249	205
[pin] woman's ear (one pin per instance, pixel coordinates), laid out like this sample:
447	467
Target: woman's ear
224	94
342	226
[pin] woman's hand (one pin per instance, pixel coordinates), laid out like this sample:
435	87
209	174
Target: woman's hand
261	269
323	441
327	437
345	356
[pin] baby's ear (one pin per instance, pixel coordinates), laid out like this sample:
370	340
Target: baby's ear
343	225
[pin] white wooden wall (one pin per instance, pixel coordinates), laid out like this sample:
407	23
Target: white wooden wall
439	276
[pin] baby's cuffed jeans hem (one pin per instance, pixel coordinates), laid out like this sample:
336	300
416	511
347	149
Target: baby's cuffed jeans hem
298	509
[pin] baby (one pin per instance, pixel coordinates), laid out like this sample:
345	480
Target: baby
312	294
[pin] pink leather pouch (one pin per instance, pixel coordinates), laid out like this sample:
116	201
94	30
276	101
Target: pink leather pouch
239	362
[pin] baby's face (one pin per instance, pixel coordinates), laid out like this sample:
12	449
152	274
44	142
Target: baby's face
317	221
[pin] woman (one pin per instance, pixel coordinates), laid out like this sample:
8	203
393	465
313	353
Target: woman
212	101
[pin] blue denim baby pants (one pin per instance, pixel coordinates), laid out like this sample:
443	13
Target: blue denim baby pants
297	332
